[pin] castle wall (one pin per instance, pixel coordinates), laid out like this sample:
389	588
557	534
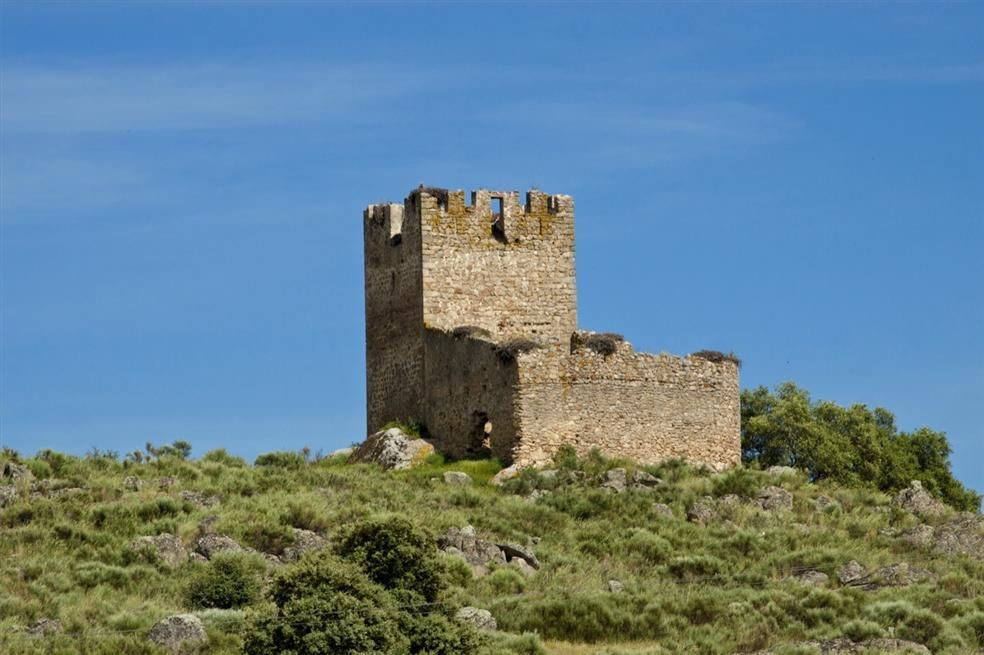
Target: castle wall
512	277
394	314
639	406
469	385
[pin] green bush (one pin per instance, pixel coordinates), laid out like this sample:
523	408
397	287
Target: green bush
228	581
396	555
281	459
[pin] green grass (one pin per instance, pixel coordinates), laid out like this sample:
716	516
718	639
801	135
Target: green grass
688	588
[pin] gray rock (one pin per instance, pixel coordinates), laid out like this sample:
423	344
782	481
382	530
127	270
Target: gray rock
481	619
615	480
166	547
392	449
457	479
505	474
207	524
197	557
822	503
811	577
342	451
305	541
8	494
845	646
181	633
211	545
200	499
520	565
132	483
644	480
851	573
514	551
917	500
65	492
960	535
475	551
661	509
780	471
44	627
615	586
894	575
536	494
703	511
166	483
16	472
549	474
773	498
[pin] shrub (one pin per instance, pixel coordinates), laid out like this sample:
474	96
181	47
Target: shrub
859	630
281	459
325	606
221	456
738	481
396	555
229	581
694	567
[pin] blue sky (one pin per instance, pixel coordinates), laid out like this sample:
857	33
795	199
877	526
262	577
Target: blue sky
183	185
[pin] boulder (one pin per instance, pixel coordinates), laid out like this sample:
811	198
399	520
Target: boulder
917	500
811	577
662	509
392	449
457	479
851	573
615	586
703	511
515	551
46	626
465	543
481	619
774	498
844	646
212	544
505	474
894	575
342	452
16	472
8	493
200	499
779	471
521	566
644	480
132	483
180	633
961	535
305	541
615	480
167	547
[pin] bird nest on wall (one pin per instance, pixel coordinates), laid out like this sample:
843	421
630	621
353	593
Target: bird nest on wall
717	356
470	331
603	343
508	350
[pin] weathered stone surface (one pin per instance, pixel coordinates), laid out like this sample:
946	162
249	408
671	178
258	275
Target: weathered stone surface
962	534
200	499
521	566
851	573
481	619
181	633
211	545
16	472
457	479
342	452
845	646
812	578
894	575
774	498
475	551
166	483
662	509
500	367
644	480
8	494
132	483
167	547
615	586
45	626
917	500
703	511
392	449
823	502
515	551
507	473
780	471
615	480
305	541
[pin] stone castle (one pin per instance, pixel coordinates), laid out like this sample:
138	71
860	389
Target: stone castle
471	330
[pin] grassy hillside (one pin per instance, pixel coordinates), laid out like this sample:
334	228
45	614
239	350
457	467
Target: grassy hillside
744	579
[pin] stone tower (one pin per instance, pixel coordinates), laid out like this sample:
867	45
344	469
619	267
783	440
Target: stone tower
471	329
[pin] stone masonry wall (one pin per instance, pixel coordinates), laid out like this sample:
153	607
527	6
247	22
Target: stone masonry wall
394	314
512	278
634	405
469	396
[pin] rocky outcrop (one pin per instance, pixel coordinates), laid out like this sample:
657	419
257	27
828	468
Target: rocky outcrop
305	541
165	547
16	472
773	498
457	479
961	535
465	543
481	619
210	545
507	473
132	483
180	633
392	449
917	500
662	509
851	573
8	494
895	575
811	577
515	551
200	499
46	626
615	480
703	511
